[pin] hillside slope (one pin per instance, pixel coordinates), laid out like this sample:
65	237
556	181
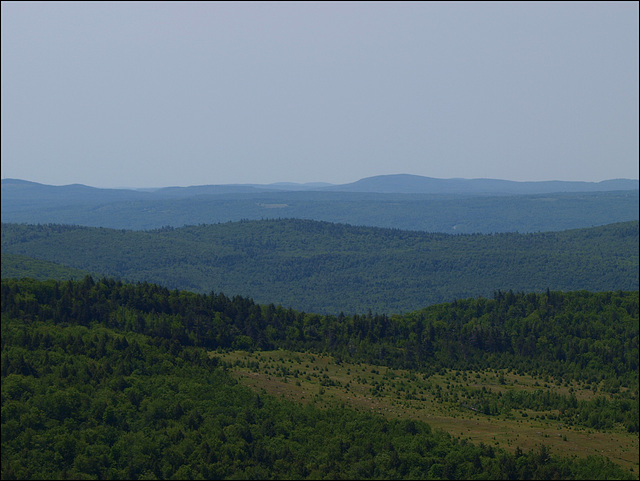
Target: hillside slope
322	267
113	381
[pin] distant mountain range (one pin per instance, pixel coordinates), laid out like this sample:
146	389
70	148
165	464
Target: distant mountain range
416	184
407	202
389	184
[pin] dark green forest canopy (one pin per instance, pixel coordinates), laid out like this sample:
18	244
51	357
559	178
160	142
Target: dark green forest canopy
22	266
105	380
332	268
578	335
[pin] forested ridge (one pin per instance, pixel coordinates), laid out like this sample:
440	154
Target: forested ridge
23	266
103	379
465	209
332	268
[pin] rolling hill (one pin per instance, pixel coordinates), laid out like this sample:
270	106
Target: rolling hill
324	267
399	202
105	380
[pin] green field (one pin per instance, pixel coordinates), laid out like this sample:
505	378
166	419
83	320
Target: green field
441	400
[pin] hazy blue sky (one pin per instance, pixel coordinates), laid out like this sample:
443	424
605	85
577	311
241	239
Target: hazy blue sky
156	94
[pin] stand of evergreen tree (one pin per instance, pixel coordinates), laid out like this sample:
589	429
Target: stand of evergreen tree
105	380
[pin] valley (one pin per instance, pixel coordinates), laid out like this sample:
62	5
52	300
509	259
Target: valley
320	241
432	341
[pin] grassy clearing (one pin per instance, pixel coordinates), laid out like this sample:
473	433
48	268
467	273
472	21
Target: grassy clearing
438	400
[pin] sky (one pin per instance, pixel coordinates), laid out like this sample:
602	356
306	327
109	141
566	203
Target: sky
153	94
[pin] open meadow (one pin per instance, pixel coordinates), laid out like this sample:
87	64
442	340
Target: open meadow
447	401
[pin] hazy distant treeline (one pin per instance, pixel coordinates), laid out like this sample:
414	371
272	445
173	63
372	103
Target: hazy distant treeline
457	211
